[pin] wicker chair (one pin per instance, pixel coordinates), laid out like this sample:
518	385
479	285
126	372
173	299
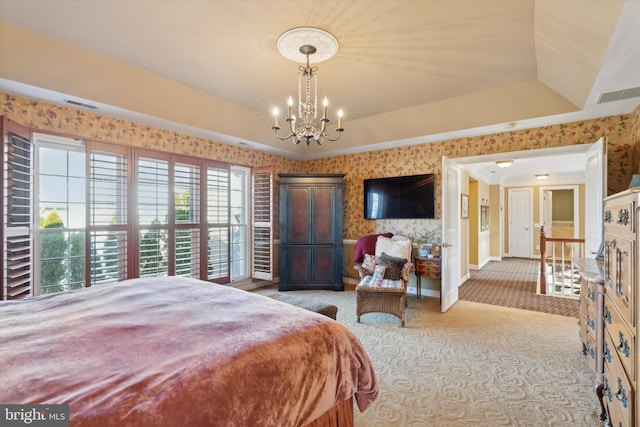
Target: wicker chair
384	295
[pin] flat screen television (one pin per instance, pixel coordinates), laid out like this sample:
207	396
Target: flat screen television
400	197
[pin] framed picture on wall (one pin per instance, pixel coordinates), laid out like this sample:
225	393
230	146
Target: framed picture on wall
464	204
484	218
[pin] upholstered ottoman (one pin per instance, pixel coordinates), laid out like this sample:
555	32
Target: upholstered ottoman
316	306
381	295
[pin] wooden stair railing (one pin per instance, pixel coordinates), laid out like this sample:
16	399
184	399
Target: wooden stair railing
543	252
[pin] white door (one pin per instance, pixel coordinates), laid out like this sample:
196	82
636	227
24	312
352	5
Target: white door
596	169
520	203
450	234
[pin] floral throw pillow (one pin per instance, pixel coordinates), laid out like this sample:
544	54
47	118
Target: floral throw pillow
378	273
369	263
394	266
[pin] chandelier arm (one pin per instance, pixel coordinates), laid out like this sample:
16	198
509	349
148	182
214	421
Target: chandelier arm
284	138
325	136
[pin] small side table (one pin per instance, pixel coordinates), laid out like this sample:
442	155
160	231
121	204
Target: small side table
426	267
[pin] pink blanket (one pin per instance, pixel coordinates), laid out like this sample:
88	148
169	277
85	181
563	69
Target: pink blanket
178	352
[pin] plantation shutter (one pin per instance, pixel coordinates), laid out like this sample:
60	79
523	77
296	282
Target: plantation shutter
186	196
218	227
262	193
153	216
108	213
16	210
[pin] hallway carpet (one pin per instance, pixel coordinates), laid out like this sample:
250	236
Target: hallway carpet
512	283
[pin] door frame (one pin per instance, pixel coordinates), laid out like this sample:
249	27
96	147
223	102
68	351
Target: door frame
576	205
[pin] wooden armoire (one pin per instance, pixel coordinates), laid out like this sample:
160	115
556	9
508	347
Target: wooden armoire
311	218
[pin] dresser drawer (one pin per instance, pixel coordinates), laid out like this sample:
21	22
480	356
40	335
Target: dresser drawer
619	339
617	395
591	295
590	350
619	273
619	215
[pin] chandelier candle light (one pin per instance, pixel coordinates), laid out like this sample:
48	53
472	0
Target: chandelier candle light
297	45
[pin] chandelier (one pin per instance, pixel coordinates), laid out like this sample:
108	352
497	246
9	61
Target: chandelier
298	45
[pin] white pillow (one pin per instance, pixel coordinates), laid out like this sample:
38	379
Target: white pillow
394	247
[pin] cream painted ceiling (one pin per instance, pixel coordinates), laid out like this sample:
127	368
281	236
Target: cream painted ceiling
406	72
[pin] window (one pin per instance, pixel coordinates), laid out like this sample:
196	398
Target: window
84	213
61	205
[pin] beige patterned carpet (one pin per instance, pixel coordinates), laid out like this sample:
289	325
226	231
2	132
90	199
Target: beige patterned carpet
476	365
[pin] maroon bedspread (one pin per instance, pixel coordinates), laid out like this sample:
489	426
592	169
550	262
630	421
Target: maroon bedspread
178	352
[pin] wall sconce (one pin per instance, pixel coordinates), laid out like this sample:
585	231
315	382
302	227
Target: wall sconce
542	176
504	163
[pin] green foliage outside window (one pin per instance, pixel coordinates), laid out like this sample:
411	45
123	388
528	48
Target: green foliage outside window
53	247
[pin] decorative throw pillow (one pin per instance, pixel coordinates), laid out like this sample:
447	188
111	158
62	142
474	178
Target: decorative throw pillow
369	263
393	266
393	247
378	273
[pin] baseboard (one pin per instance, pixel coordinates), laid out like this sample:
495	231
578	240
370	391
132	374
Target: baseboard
350	280
431	293
252	286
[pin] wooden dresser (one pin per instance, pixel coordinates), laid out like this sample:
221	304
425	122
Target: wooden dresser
620	349
591	319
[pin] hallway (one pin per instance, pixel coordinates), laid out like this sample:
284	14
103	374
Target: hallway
512	283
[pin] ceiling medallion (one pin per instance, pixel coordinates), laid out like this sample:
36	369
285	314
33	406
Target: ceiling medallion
307	45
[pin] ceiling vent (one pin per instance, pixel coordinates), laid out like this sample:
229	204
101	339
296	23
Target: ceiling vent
80	104
619	95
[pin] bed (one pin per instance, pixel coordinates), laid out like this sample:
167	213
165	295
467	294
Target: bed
181	352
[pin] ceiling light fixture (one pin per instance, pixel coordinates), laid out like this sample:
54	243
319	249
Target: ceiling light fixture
542	176
299	44
504	163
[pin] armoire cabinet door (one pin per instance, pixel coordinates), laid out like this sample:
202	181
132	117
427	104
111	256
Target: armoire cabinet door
298	215
324	217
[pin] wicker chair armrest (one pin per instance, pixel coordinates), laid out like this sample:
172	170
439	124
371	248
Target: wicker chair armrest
408	268
361	271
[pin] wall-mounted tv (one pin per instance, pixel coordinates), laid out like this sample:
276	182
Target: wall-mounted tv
400	197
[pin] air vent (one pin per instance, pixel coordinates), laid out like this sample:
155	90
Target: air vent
618	95
80	104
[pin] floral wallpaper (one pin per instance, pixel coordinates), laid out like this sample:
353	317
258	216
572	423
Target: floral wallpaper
426	158
635	137
54	118
623	133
